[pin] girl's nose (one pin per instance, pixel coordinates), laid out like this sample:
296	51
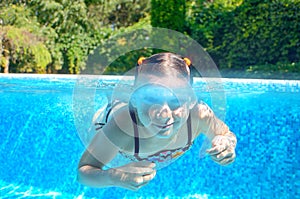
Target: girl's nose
179	112
165	113
160	112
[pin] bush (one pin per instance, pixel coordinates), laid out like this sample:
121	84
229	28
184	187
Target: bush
168	14
254	33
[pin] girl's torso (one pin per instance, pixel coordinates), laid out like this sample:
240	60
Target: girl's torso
150	148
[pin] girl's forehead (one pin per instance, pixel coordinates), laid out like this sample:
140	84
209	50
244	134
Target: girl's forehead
164	87
169	82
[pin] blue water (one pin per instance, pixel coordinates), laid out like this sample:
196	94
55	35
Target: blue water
40	146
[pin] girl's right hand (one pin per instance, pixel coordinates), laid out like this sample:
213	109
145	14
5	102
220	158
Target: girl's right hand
134	175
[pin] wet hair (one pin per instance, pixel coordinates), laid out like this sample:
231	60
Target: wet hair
164	65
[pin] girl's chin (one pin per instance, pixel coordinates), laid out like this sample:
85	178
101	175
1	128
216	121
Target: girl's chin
159	131
165	133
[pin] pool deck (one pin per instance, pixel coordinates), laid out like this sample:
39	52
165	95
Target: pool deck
225	73
232	73
239	76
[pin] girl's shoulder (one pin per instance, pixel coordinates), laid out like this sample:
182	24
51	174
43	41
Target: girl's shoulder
200	115
119	128
201	110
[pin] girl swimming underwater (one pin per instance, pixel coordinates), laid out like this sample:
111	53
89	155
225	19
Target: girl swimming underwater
158	124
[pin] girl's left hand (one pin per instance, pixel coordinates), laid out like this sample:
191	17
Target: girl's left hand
222	151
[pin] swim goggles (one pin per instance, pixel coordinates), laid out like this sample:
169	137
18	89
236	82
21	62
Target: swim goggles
151	94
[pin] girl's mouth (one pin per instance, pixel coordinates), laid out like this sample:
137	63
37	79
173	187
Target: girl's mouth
165	126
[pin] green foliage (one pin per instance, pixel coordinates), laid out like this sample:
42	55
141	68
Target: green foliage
113	56
116	14
57	36
25	50
62	26
168	14
22	41
73	36
2	61
253	33
279	67
127	61
90	2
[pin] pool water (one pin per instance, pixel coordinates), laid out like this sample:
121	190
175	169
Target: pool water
40	147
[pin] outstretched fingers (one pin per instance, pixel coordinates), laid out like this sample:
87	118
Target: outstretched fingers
216	150
224	158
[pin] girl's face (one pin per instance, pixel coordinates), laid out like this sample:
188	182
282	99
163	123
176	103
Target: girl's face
162	111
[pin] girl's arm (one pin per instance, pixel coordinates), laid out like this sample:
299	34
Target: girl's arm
104	148
222	139
90	169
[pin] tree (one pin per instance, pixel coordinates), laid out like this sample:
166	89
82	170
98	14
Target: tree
121	17
116	14
22	45
73	35
169	14
120	52
249	33
62	26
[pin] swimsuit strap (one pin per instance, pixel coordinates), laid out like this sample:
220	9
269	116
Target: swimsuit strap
189	128
135	129
108	110
136	132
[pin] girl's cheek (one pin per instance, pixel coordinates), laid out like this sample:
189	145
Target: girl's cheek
144	117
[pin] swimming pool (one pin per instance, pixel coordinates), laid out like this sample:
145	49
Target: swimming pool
40	147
